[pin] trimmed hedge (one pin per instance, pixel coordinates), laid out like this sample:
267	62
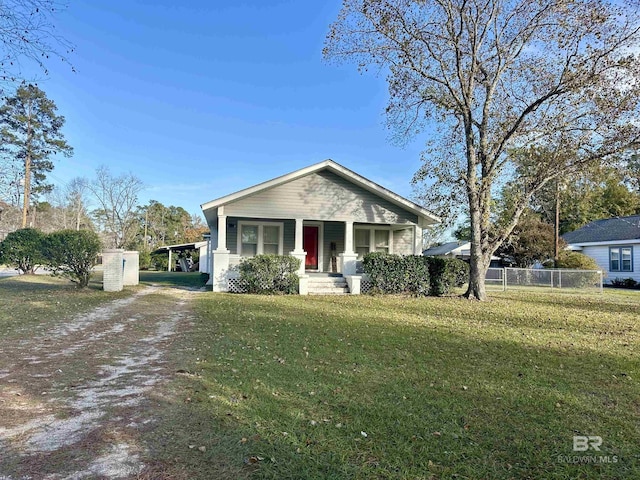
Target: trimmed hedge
397	274
414	274
270	274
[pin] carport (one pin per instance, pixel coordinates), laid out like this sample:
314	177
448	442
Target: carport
182	247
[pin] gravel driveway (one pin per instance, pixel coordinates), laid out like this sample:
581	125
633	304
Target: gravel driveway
76	395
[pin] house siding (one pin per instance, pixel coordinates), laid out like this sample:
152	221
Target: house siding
600	254
403	241
320	196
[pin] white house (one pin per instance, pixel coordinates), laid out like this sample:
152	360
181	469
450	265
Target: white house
614	243
326	215
460	250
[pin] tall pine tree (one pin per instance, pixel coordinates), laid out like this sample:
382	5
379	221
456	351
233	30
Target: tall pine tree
31	133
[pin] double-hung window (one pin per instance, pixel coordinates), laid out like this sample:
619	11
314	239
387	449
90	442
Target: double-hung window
371	240
362	239
621	259
256	238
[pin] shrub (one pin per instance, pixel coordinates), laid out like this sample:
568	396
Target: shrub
415	274
446	273
270	274
22	250
397	274
576	261
72	254
624	282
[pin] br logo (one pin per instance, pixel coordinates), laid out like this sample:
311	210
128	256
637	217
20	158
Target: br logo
583	443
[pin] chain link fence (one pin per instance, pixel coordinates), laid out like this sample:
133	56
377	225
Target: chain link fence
562	279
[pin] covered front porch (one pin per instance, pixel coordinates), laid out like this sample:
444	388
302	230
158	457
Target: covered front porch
323	246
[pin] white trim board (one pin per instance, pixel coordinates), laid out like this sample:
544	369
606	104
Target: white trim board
320	226
260	225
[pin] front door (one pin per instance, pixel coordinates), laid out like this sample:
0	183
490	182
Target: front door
310	245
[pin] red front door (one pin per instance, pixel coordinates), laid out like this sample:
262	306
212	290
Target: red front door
310	245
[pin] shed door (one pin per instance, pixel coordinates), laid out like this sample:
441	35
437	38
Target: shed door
310	245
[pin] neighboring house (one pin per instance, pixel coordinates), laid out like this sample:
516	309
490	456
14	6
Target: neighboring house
614	243
460	250
326	215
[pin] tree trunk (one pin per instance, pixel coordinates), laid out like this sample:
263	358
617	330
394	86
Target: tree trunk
477	275
479	260
27	190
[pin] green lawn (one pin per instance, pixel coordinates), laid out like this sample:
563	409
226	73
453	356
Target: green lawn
29	301
173	279
402	388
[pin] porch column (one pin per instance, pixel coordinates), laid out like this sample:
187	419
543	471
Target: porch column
298	250
220	256
169	263
417	240
222	233
349	256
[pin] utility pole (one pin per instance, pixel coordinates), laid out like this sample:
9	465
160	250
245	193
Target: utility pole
146	222
556	247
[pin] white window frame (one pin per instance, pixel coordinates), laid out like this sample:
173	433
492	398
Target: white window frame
261	225
618	249
320	226
372	236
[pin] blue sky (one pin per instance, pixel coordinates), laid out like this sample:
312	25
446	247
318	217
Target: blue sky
200	99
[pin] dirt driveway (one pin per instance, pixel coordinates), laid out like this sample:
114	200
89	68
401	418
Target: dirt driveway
76	394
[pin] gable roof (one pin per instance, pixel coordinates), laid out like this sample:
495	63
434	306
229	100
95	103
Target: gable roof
606	230
445	248
336	168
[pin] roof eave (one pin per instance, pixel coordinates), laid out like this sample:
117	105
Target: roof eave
338	169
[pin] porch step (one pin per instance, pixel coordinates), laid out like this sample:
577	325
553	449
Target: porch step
328	286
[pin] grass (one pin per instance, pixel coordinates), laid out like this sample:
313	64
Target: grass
27	301
401	388
173	279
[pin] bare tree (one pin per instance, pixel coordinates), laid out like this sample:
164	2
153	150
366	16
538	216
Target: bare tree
28	34
117	199
555	81
76	200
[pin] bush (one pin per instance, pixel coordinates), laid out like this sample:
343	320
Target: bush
576	261
415	274
446	273
397	274
22	250
72	254
270	274
624	283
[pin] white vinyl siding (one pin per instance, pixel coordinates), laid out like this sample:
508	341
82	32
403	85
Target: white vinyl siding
600	253
255	238
320	196
403	241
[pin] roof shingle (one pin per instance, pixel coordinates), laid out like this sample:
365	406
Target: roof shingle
606	230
